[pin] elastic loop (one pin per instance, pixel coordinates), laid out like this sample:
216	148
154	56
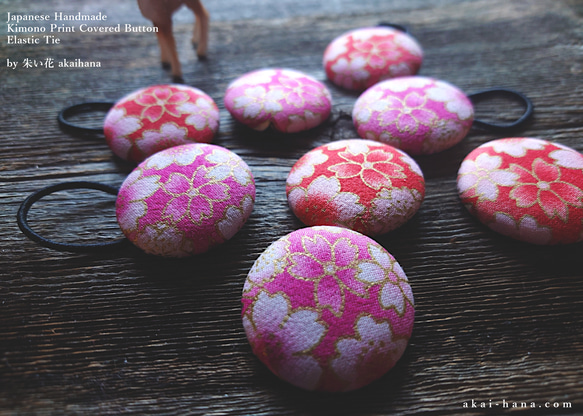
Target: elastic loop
402	28
502	128
22	218
82	108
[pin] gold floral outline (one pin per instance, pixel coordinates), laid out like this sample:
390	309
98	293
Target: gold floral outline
316	280
187	212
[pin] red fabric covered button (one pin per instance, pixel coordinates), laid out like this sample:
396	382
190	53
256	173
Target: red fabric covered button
158	117
327	308
416	114
360	58
288	100
528	189
359	184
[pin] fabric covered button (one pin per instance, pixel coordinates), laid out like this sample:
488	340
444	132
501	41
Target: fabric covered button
185	200
360	58
528	189
288	100
158	117
326	308
416	114
359	184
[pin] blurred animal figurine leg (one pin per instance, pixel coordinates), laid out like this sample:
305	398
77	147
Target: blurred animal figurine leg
201	26
160	13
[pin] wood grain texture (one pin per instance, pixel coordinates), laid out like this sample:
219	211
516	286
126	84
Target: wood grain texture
126	333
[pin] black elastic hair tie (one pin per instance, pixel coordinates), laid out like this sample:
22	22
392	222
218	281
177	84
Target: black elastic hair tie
83	108
22	218
503	92
402	28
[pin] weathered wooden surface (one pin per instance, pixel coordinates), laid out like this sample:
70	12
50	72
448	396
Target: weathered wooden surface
124	333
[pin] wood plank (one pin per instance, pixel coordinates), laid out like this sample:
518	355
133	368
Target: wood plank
126	333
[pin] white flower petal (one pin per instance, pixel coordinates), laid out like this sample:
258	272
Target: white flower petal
370	272
269	312
302	331
567	158
391	296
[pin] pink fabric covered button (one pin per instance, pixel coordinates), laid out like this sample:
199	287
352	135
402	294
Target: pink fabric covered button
360	58
158	117
416	114
326	308
288	100
528	189
185	200
359	184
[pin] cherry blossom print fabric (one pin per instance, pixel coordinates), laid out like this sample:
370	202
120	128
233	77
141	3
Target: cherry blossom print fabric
158	117
367	186
326	308
186	199
528	189
287	100
360	58
416	114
